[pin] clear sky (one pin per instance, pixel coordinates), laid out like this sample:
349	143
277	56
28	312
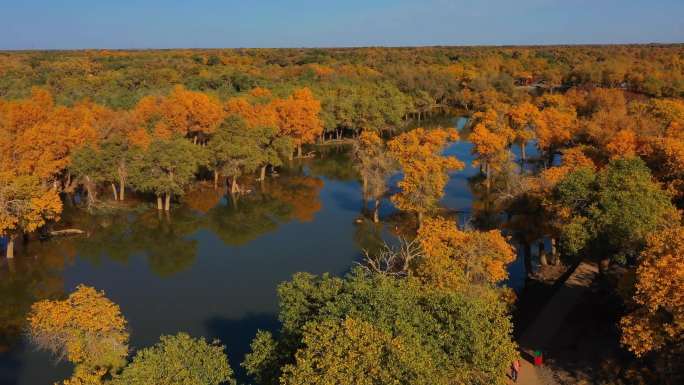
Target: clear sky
70	24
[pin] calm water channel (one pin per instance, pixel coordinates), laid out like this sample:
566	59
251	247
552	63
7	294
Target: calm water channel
210	269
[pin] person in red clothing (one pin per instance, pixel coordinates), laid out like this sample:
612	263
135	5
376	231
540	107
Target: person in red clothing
515	370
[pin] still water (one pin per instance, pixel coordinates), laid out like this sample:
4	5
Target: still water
212	267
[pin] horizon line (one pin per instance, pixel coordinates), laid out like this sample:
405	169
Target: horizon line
486	45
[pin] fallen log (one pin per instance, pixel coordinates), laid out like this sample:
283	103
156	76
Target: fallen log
56	233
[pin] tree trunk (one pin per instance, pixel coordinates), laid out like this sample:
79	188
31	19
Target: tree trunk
10	246
542	258
160	205
527	256
216	178
523	156
299	151
555	258
122	187
67	184
262	174
376	210
167	203
420	219
234	186
116	194
90	190
365	186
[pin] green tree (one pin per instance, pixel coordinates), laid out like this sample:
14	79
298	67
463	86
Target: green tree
236	149
178	360
466	338
116	155
610	213
351	352
165	168
87	164
108	163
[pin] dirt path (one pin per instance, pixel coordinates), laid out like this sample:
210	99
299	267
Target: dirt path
547	324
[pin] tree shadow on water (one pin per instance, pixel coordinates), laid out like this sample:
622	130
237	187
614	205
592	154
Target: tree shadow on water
237	334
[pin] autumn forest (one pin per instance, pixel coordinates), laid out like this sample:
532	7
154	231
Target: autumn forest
343	216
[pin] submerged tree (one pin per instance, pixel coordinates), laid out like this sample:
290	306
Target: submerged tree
523	118
419	152
237	149
298	117
166	168
25	206
375	167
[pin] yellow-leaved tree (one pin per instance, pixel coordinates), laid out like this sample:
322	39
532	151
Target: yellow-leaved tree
192	114
523	117
455	259
26	204
425	168
298	117
658	319
86	329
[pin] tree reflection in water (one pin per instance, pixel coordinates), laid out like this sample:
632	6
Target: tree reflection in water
35	274
164	238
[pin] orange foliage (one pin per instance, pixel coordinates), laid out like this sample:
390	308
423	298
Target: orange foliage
455	258
38	138
87	329
659	317
623	144
666	157
489	146
20	115
321	70
523	117
555	128
425	169
182	112
298	116
574	158
25	205
259	92
255	115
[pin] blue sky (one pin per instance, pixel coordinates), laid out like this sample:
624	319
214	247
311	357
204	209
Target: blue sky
71	24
